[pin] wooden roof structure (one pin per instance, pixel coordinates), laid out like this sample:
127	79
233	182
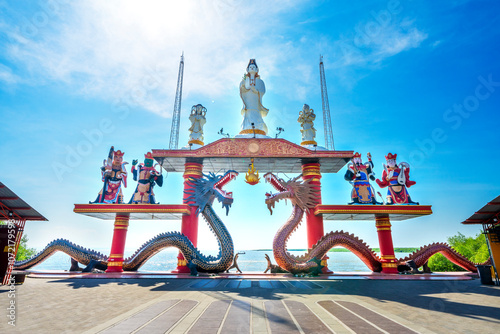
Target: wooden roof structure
269	154
13	207
487	215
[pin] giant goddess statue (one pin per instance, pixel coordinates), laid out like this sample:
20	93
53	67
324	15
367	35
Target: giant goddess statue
252	89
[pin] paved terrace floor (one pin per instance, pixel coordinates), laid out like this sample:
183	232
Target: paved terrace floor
251	304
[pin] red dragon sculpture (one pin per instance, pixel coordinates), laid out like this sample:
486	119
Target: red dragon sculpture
304	197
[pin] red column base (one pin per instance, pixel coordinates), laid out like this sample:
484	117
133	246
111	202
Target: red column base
115	259
181	265
325	269
383	224
390	268
115	267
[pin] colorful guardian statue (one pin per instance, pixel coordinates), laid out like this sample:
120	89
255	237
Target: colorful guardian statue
306	119
146	176
197	118
113	175
397	179
252	89
359	175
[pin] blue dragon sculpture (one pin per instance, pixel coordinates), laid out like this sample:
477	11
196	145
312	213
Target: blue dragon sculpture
202	194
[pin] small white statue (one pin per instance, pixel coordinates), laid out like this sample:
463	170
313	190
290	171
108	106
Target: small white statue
306	118
252	89
197	119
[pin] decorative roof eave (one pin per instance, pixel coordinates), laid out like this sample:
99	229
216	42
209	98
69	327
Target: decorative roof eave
264	150
488	214
368	212
252	147
14	207
136	211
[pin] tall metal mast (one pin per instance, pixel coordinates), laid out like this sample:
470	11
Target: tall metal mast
327	121
176	117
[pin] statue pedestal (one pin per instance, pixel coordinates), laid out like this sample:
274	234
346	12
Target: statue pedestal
251	135
121	214
382	215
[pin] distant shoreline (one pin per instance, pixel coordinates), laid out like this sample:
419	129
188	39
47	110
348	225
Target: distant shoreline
342	250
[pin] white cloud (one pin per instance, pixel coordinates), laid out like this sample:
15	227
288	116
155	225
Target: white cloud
7	76
129	50
372	43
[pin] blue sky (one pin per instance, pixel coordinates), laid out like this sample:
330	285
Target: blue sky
408	77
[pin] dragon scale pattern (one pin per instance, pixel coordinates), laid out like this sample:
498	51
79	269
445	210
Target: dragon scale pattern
218	263
305	263
422	255
79	253
308	262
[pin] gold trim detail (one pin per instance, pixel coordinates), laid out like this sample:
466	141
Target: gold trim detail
181	263
133	210
252	131
308	142
413	212
192	169
196	141
388	257
383	228
121	227
115	264
389	265
116	256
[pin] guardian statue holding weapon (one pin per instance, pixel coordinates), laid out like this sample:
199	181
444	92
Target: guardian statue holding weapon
397	179
146	176
359	174
114	175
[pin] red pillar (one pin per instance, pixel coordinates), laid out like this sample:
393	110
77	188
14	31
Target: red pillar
383	224
189	225
115	261
314	224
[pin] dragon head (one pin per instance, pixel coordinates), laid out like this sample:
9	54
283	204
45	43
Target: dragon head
301	194
204	190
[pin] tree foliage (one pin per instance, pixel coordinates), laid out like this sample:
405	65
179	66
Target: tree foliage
473	248
23	251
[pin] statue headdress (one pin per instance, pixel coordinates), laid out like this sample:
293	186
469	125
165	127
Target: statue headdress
252	62
118	154
391	156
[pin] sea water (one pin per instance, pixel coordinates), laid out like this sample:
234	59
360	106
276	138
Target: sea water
248	261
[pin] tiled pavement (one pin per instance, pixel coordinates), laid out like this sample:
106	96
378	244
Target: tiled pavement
215	305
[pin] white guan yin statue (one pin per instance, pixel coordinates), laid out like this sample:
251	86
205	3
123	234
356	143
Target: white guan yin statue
252	89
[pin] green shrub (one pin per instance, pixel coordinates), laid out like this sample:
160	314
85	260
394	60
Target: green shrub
473	248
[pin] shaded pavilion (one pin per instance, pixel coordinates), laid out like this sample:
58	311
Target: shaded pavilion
489	217
16	212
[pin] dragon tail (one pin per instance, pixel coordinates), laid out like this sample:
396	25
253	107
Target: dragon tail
422	255
79	253
350	242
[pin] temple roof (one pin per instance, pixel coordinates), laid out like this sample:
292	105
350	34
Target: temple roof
270	155
488	214
369	212
136	211
12	206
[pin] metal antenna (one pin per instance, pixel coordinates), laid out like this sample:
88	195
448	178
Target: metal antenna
327	121
176	117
